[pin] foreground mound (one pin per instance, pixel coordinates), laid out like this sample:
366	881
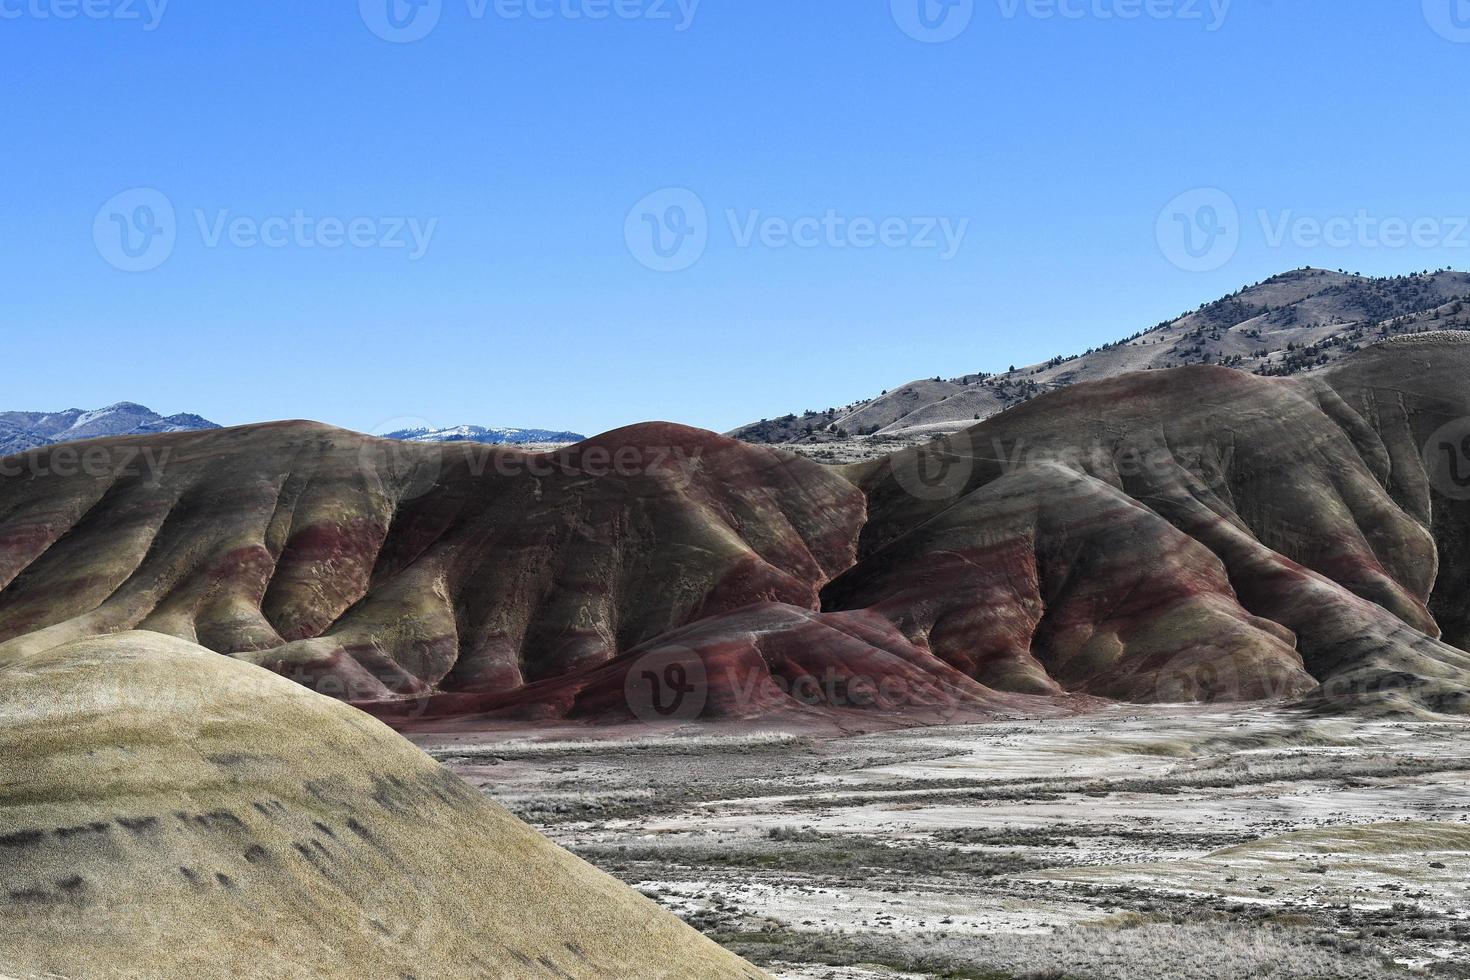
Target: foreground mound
167	812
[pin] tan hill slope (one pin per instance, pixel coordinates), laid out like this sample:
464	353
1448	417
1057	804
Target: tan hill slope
169	813
1292	323
1199	533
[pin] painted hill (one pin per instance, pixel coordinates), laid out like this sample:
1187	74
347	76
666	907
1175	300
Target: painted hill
1294	323
1198	533
384	569
217	821
1200	527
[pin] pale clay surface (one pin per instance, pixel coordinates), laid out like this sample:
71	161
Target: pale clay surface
1314	826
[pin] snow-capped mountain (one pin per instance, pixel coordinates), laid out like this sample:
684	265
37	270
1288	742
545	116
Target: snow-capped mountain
478	433
20	431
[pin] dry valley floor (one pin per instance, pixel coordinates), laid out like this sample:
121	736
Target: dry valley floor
1187	842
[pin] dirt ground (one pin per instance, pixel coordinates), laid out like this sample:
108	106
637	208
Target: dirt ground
1173	842
837	452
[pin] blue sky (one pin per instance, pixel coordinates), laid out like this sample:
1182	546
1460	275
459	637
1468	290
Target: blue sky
297	150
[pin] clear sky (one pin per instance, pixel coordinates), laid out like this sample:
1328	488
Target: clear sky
940	206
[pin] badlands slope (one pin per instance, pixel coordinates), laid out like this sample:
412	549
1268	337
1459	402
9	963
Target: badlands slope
169	813
1192	534
1247	536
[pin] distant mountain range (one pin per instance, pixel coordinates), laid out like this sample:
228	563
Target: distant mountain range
1294	323
20	431
478	433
